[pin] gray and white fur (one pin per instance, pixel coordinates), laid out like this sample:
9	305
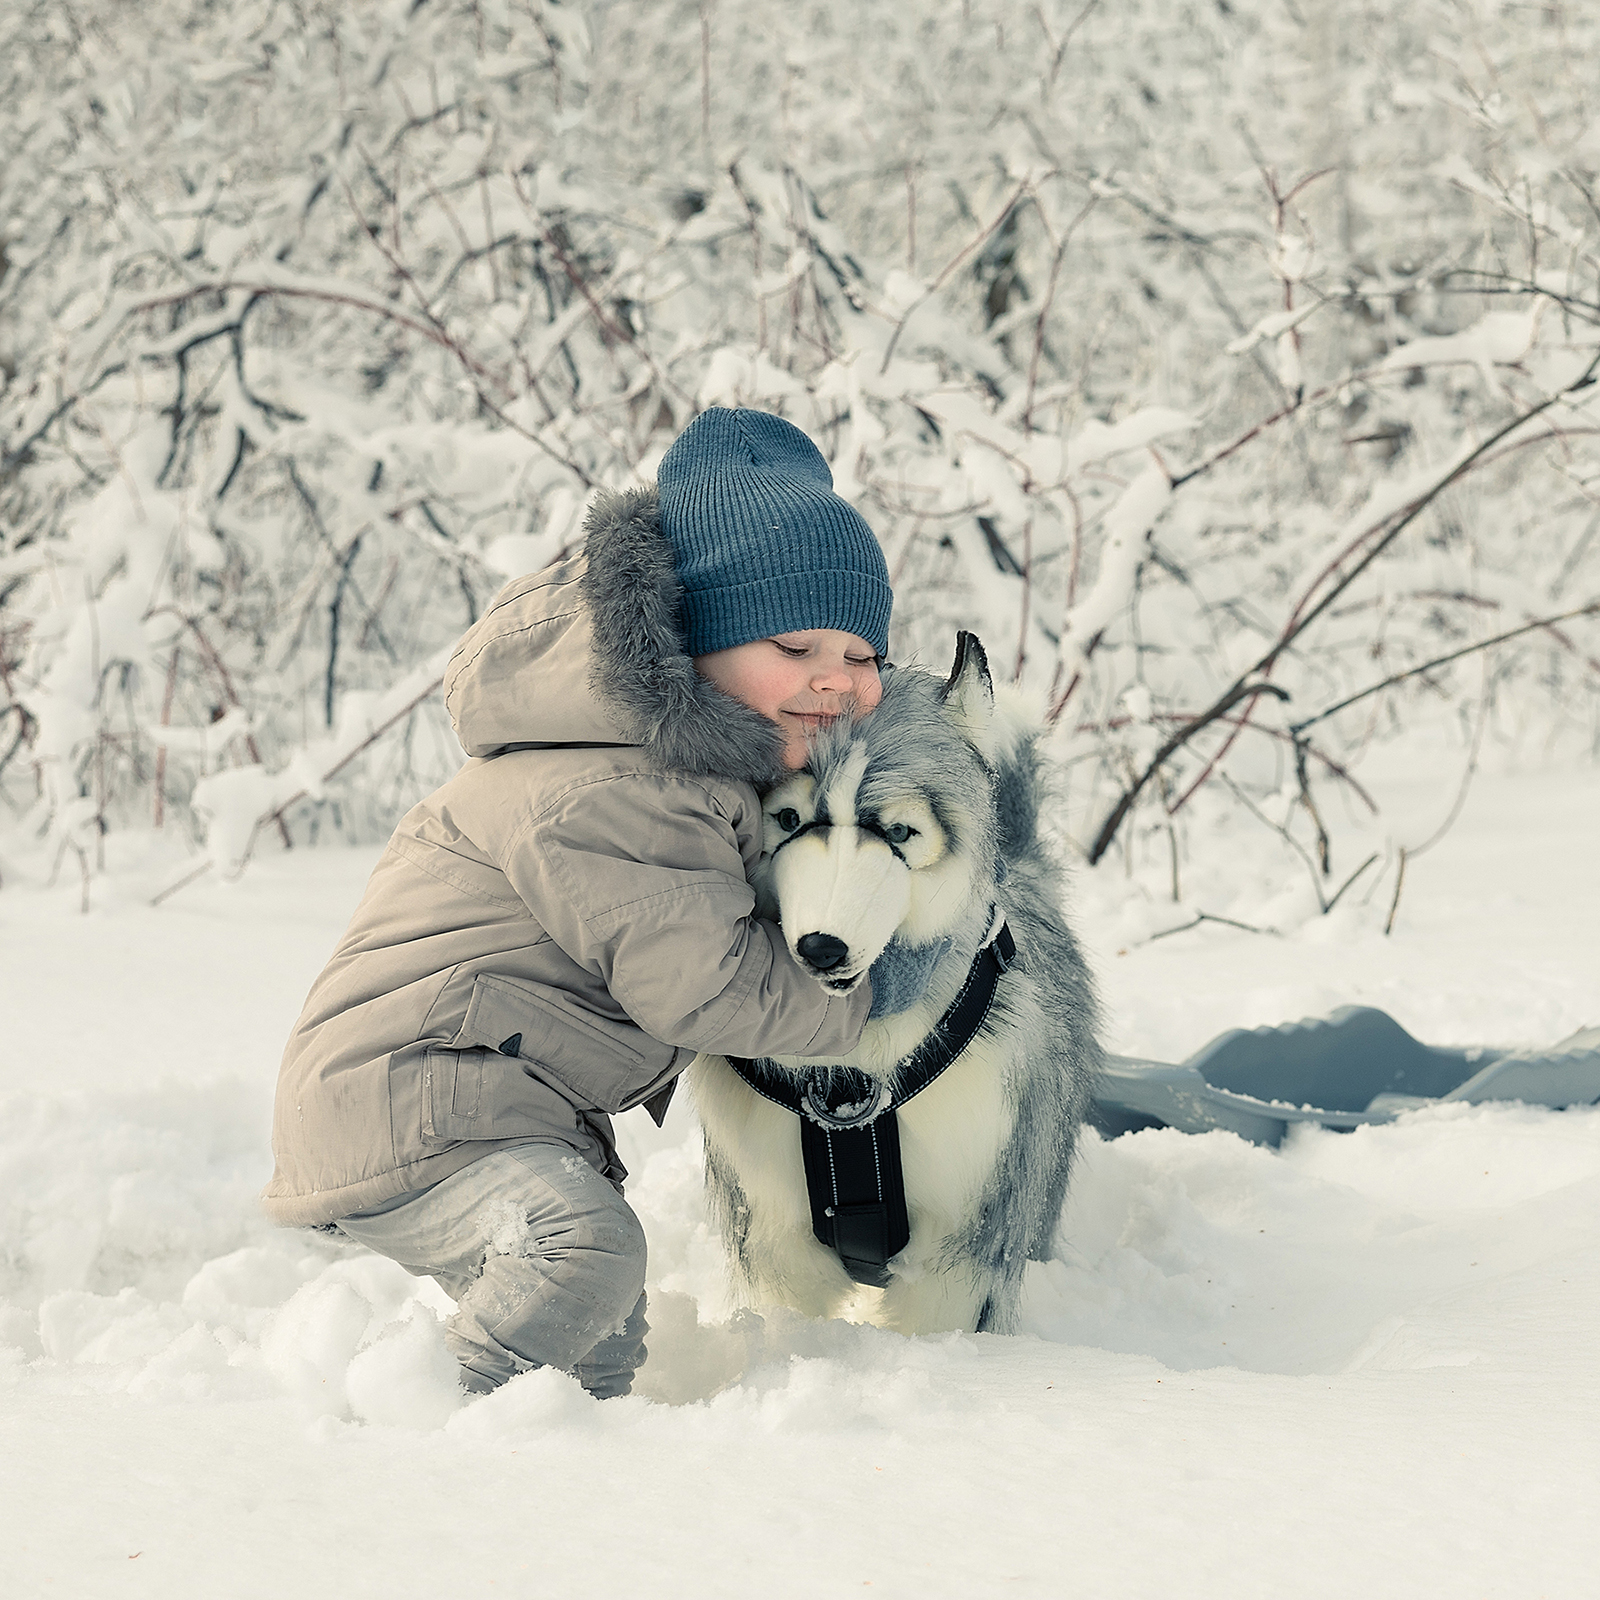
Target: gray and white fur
914	822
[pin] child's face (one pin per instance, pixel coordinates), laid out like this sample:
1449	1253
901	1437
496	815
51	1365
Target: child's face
801	681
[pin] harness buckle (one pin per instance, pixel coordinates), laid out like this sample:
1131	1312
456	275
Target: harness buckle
852	1113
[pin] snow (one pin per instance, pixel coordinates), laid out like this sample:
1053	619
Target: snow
1498	339
1127	525
1360	1364
235	802
1271	327
1098	441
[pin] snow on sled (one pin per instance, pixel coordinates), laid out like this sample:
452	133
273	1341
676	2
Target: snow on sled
1356	1067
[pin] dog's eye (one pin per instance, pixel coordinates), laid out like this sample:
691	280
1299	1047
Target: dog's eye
898	833
788	819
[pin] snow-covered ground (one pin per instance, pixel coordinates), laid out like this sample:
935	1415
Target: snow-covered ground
1363	1364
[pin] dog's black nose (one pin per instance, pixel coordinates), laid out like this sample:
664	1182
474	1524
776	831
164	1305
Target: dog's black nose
822	950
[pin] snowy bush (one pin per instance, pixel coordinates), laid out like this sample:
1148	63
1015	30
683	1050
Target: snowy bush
1217	362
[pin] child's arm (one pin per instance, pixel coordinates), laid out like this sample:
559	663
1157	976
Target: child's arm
641	879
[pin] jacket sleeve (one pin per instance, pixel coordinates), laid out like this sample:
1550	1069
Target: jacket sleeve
640	879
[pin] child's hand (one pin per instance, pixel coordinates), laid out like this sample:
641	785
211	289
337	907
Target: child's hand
899	977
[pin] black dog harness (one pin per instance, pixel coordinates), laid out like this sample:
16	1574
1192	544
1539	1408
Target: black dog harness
849	1134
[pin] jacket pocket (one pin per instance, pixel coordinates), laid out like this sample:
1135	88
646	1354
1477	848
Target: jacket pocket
598	1064
479	1094
452	1096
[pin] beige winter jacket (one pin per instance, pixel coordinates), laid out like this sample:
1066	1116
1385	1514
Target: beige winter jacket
551	936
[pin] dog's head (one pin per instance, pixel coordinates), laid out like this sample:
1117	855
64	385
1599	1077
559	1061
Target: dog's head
890	828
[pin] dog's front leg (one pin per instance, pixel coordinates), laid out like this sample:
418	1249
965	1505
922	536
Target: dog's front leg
947	1300
790	1268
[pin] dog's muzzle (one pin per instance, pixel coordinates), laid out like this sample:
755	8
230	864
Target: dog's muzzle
848	890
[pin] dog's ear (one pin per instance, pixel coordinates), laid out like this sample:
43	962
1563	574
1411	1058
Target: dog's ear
969	695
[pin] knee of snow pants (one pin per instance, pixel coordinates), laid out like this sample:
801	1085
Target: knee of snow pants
544	1259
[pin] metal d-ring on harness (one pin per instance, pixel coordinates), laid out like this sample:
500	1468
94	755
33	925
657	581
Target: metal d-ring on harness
850	1135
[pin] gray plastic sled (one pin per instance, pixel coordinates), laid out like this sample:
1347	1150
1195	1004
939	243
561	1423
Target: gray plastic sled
1356	1067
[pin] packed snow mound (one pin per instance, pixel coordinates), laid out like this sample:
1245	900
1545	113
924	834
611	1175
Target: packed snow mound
1198	1252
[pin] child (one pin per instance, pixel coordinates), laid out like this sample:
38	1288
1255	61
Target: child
551	936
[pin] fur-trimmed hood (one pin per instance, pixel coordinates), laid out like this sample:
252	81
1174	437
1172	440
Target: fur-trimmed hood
590	652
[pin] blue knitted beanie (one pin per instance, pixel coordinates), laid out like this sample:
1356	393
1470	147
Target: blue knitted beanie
761	542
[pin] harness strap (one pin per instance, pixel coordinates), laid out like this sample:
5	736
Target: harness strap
849	1133
858	1194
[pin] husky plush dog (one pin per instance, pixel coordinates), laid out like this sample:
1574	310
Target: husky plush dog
916	823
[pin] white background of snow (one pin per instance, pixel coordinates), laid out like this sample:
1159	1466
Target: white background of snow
1364	1364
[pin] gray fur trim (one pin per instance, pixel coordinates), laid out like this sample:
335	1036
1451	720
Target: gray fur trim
641	669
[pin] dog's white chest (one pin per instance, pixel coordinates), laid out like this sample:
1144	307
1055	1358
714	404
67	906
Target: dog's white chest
951	1136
